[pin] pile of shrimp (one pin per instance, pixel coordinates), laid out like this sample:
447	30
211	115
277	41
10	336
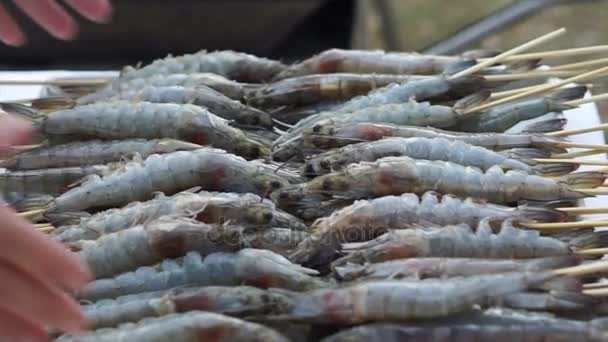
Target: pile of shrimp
352	196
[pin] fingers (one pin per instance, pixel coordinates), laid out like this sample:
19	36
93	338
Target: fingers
95	10
13	131
51	16
15	327
21	244
10	33
41	302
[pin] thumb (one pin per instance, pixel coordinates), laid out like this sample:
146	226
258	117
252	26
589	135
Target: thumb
14	131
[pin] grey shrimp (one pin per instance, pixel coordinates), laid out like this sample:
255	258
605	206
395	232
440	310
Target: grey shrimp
254	267
167	237
418	148
214	101
124	120
211	169
230	300
93	152
397	175
366	219
248	210
404	299
184	327
459	241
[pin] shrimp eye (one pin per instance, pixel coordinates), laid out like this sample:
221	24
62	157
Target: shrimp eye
255	120
309	169
324	164
267	217
328	184
317	128
275	185
331	131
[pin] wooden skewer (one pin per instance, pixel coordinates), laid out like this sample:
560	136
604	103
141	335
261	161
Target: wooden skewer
595	285
46	229
25	147
511	52
56	82
593	98
578	65
579	154
584	210
594	267
557	53
32	213
573	161
596	292
530	74
593	251
540	89
578	131
567	225
594	192
568	144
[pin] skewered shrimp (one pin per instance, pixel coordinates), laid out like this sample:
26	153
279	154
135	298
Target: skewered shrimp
233	65
167	237
418	148
459	241
233	301
404	300
397	175
502	117
94	152
555	331
366	219
317	88
186	327
212	169
372	61
123	119
255	267
48	181
553	301
213	100
244	209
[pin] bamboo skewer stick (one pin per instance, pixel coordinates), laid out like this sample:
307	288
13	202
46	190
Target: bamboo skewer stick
568	144
594	192
530	74
595	285
593	98
540	89
593	251
32	213
596	292
578	154
578	65
501	57
584	210
572	161
595	267
567	225
555	53
578	131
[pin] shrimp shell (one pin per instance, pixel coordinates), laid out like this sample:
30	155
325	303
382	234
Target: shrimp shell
92	152
185	327
255	267
418	148
170	173
124	119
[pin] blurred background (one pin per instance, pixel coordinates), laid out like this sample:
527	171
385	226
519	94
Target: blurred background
295	29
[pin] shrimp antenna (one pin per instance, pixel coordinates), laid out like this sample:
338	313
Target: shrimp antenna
282	165
282	123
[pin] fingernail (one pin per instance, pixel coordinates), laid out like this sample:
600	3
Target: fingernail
16	40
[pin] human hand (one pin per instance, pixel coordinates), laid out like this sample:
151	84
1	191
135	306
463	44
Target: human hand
52	17
34	270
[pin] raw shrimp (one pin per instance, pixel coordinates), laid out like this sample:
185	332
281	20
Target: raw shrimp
92	152
295	199
317	88
418	148
438	267
553	301
502	117
47	181
233	65
405	299
185	327
366	219
244	209
167	237
370	62
279	240
397	175
234	301
214	101
211	169
124	119
255	267
391	332
342	134
458	241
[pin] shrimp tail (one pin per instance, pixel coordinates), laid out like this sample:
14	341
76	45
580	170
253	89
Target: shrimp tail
556	101
554	169
548	263
590	239
545	126
480	53
586	179
527	153
541	214
472	100
67	218
348	271
459	66
54	103
22	110
525	65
